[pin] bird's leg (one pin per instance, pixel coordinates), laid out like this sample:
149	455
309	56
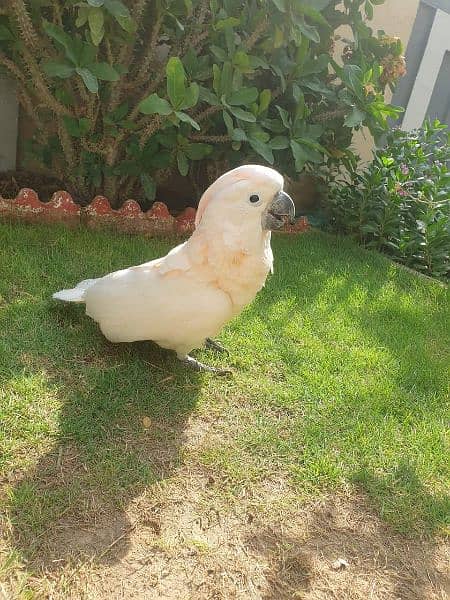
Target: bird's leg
196	365
213	345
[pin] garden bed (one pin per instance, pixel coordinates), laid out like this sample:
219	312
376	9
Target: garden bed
129	218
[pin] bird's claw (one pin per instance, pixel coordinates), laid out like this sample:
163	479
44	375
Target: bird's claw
211	344
196	365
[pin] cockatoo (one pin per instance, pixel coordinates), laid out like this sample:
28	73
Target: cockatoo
181	301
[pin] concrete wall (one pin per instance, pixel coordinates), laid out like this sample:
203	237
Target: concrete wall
396	18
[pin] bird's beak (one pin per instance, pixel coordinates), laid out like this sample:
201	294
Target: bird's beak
279	212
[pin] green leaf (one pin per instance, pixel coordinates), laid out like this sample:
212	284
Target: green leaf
5	33
228	22
262	149
264	100
117	8
176	81
187	119
127	24
153	104
313	14
104	71
191	96
96	21
318	86
319	4
198	151
206	95
96	3
244	96
280	4
279	71
241	60
308	31
77	51
226	79
278	38
352	75
239	135
300	100
58	34
241	114
89	79
219	53
82	17
178	23
368	9
279	142
216	78
301	155
86	54
64	97
149	186
54	69
228	123
183	164
355	118
76	127
284	116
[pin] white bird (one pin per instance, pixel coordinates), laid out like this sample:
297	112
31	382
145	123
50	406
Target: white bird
182	300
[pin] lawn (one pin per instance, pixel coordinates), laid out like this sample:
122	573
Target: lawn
340	390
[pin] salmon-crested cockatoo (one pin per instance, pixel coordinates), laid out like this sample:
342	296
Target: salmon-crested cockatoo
181	301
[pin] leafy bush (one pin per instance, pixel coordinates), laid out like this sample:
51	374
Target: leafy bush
401	203
122	96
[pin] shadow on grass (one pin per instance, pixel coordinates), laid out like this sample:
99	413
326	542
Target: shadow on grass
121	423
369	307
410	500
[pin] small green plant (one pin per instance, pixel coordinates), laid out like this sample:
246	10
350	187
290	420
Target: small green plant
401	203
122	96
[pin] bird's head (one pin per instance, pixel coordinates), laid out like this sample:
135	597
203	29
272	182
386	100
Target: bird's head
248	196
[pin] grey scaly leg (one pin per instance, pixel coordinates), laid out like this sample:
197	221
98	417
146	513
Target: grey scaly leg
213	345
196	365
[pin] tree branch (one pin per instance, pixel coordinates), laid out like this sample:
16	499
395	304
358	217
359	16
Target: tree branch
259	30
24	23
41	86
211	139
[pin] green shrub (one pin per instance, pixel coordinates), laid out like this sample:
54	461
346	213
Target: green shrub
122	96
401	203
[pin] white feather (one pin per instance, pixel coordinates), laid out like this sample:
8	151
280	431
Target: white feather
75	294
188	295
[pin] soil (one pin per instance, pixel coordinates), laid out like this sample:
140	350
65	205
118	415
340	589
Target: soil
11	182
177	193
186	538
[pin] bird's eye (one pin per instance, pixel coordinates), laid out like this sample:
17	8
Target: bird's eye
254	198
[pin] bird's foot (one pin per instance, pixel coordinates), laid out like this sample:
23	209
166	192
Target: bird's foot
196	365
217	346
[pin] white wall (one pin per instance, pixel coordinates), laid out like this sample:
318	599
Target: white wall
396	18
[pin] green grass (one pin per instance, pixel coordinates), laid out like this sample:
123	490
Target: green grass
341	381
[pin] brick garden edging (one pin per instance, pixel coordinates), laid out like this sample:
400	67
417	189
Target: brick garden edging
129	218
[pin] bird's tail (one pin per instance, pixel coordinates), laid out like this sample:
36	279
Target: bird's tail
76	294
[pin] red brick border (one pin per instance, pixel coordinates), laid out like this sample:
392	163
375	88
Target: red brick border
128	218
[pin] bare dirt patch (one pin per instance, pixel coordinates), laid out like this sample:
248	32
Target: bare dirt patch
184	539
